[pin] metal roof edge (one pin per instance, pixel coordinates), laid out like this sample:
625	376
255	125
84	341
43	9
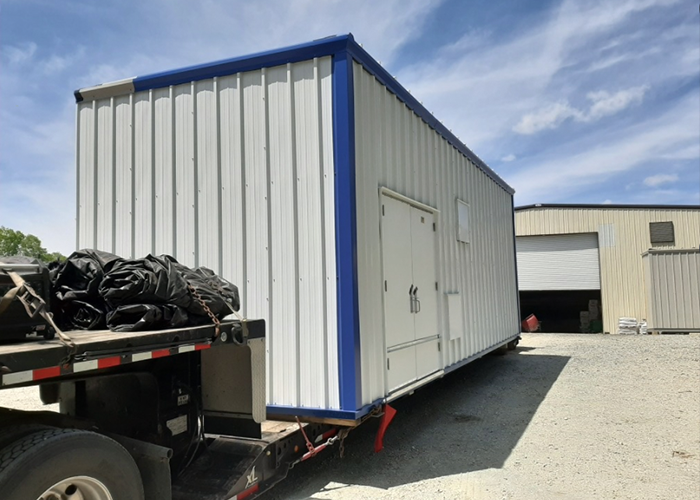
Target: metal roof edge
607	207
277	57
296	53
386	79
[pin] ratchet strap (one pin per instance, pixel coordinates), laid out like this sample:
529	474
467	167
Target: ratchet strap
33	304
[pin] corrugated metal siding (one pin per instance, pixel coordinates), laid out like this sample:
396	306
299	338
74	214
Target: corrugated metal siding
234	173
397	150
561	262
673	290
623	235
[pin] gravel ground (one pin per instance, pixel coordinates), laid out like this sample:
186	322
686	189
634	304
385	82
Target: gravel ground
562	417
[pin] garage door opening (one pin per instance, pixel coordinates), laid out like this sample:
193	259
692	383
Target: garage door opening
559	311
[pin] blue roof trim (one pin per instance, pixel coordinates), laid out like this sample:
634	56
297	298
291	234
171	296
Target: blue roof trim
322	412
383	76
318	48
296	53
349	368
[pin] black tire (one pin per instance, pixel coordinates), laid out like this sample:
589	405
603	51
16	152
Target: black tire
512	344
11	433
35	463
500	351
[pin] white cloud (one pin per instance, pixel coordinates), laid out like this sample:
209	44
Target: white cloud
591	161
604	104
508	158
607	202
18	54
481	93
659	179
548	118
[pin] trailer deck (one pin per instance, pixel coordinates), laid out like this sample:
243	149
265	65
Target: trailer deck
26	362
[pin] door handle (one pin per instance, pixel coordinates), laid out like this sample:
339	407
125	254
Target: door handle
415	303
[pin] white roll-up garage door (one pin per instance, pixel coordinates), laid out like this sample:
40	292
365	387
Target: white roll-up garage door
560	262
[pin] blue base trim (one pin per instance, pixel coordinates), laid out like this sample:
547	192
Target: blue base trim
273	410
349	354
478	355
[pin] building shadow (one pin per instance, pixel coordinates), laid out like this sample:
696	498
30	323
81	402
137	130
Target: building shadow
469	421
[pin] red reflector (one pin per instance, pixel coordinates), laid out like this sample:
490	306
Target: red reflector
200	347
46	373
109	362
248	492
161	354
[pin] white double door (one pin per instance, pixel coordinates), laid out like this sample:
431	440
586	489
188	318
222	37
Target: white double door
410	292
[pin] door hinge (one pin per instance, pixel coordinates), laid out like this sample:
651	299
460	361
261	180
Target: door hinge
385	286
434	227
387	364
438	346
436	285
382	209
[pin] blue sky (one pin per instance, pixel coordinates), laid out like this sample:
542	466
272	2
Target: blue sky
569	101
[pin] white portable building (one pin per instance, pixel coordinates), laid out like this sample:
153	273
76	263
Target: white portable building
378	248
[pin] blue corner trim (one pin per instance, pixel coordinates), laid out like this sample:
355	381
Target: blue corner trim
349	369
322	412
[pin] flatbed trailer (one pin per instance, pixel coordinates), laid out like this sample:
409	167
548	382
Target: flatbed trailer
134	409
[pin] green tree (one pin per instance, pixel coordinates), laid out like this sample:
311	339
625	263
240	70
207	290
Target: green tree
17	243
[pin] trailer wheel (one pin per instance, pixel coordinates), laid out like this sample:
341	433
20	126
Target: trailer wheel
67	464
12	433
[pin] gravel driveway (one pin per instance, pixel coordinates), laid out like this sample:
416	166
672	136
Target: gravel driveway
563	417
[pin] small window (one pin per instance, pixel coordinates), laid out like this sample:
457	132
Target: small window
661	232
463	233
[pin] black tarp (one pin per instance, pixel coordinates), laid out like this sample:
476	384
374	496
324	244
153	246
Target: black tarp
95	289
151	280
136	317
76	303
79	277
220	295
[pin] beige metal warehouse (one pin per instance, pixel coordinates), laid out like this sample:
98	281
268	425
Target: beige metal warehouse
557	246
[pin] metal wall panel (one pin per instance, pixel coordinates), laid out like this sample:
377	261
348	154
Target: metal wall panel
558	262
623	235
396	149
673	290
234	173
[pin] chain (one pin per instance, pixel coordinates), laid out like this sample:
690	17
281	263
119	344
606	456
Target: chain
223	293
342	435
212	316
